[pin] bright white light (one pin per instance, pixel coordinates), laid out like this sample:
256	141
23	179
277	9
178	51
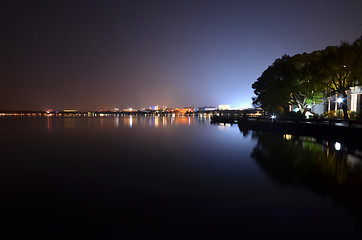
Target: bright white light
339	100
116	121
287	137
337	146
273	116
309	106
308	114
296	109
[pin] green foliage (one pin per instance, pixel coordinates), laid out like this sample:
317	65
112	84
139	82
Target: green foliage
352	114
339	113
329	114
336	67
287	81
334	114
314	99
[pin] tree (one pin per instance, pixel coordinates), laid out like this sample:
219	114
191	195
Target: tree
306	89
288	81
271	92
357	64
303	79
339	70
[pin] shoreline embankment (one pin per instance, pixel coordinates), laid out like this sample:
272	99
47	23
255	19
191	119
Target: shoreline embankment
338	129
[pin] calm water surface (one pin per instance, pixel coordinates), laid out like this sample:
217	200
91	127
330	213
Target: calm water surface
142	177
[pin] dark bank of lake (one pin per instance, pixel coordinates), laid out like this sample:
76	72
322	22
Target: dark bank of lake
143	177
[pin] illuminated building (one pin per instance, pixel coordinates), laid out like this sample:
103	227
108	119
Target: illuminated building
335	101
128	110
154	108
354	99
224	107
183	111
206	109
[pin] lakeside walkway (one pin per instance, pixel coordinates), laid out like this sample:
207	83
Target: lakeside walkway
330	122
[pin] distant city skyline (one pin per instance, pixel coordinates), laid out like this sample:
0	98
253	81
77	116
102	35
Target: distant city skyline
89	55
131	109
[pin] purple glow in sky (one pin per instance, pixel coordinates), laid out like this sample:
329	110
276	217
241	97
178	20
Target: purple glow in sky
103	54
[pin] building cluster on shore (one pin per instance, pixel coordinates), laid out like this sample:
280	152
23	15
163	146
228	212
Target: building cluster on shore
152	110
334	102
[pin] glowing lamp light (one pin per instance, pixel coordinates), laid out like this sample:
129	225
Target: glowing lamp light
337	146
339	100
308	114
273	117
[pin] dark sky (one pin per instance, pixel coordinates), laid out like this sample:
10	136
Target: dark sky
89	55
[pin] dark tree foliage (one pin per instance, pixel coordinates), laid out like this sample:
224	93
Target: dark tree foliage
288	81
337	65
305	79
271	90
357	64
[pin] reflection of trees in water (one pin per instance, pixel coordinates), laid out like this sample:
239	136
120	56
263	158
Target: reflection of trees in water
295	161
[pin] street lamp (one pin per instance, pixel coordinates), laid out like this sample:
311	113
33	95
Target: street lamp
339	100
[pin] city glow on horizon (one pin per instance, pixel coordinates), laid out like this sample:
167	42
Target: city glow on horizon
194	62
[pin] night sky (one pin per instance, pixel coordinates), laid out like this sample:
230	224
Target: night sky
88	55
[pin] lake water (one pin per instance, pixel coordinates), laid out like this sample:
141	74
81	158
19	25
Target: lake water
143	177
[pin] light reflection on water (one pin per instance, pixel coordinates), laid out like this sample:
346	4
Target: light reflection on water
326	167
129	121
161	175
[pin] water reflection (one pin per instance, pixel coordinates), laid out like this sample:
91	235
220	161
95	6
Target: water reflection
184	176
155	121
70	123
127	121
328	168
116	121
222	126
49	124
